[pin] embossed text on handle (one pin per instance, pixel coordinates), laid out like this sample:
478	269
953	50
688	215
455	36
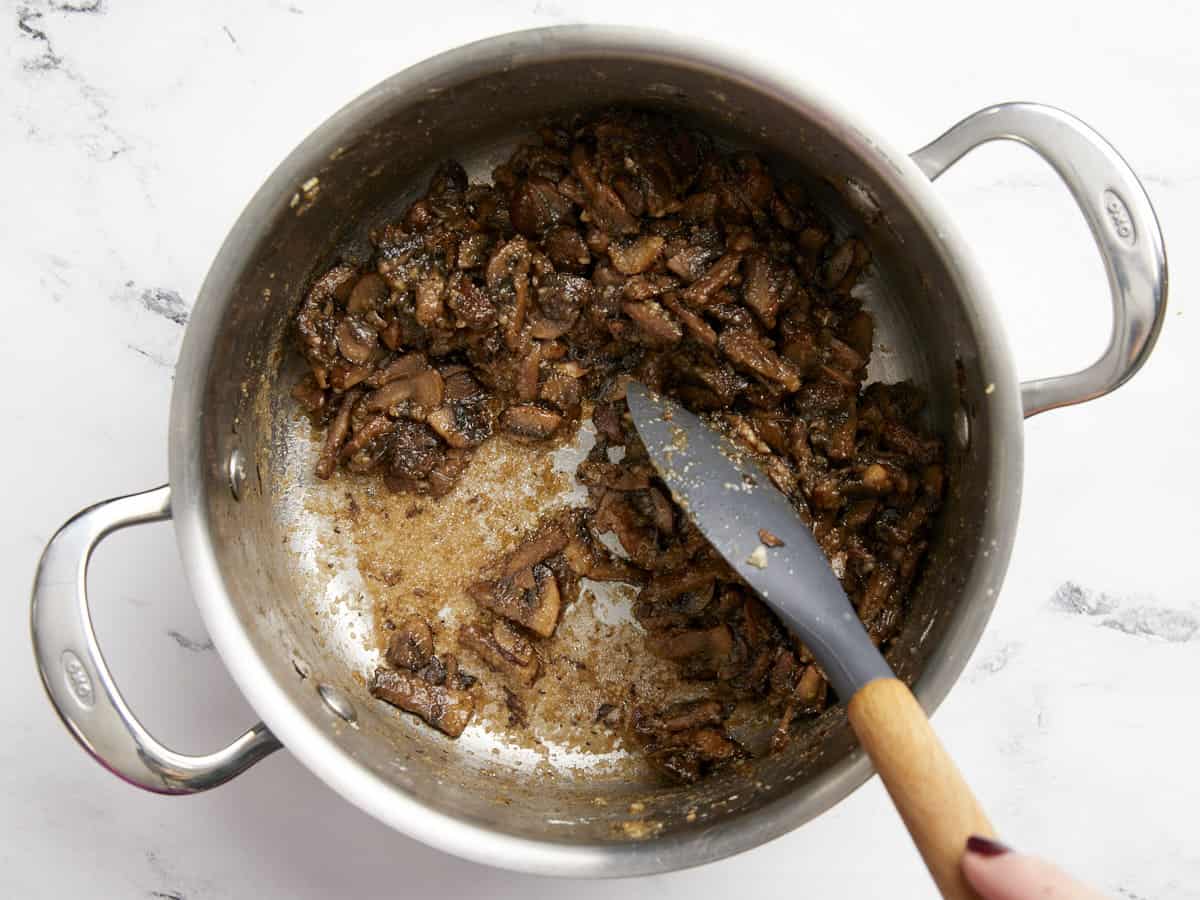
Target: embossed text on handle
78	678
1119	218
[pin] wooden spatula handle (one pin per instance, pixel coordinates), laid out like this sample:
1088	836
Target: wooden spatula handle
930	794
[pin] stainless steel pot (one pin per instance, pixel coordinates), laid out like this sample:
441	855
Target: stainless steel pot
235	451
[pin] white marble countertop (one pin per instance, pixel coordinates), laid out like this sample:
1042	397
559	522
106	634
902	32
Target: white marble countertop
132	134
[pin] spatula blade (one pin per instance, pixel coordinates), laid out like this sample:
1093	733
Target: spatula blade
758	531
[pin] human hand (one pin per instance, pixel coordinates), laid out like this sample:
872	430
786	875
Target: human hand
999	873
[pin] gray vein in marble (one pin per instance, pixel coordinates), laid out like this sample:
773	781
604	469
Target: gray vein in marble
229	34
165	872
155	358
1147	620
163	302
996	661
188	643
87	7
33	25
53	279
1174	625
1073	598
27	24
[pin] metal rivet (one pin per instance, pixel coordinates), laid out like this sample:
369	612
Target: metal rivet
337	703
237	473
962	428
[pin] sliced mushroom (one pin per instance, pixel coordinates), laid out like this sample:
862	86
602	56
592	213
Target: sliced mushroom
749	352
502	650
315	321
635	257
763	290
590	559
342	378
638	538
604	204
712	645
471	306
530	422
614	476
448	178
428	389
446	708
462	425
429	306
529	597
690	755
607	419
415	451
537	206
369	292
336	436
567	250
658	326
563	390
666	586
692	714
528	371
508	270
911	444
402	367
472	251
543	329
695	325
685	751
679	611
859	332
661	512
702	292
393	335
411	646
812	688
424	389
843	266
447	471
691	262
356	340
645	287
541	546
561	298
309	395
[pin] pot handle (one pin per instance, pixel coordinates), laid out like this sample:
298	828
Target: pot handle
78	681
1122	222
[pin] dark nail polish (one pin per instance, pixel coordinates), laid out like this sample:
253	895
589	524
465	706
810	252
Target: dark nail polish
985	846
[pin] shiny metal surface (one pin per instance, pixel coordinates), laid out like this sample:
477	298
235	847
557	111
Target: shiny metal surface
1121	219
249	559
729	498
476	103
79	683
337	703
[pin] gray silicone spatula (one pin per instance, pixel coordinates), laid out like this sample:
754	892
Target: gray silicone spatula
736	505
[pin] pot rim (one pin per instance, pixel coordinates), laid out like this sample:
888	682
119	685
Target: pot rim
189	470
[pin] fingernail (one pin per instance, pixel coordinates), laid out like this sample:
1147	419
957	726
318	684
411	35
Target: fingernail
985	846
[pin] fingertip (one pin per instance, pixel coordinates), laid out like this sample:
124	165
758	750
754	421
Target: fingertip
986	846
998	873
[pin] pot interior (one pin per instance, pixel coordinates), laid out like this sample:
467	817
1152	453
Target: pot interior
294	581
